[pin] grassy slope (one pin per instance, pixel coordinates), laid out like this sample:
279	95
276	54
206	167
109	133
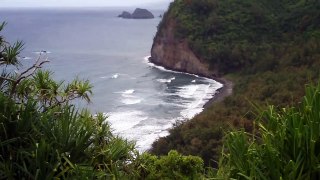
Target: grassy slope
269	49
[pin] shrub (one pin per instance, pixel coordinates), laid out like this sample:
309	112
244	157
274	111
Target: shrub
285	146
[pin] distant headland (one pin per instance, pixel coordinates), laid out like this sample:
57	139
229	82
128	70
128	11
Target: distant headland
137	14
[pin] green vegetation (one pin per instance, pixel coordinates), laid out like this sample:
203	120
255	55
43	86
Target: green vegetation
234	34
172	166
268	49
285	145
44	136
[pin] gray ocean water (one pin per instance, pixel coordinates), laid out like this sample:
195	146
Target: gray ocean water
142	100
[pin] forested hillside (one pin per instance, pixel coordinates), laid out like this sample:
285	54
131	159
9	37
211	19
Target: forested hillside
269	48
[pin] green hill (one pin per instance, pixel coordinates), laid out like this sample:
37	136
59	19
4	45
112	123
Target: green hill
269	49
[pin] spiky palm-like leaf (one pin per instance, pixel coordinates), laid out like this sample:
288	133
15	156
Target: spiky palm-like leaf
10	54
286	147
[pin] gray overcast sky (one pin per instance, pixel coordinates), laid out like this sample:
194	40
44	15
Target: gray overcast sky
83	3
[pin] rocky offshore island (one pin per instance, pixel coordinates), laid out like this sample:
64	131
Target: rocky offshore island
137	14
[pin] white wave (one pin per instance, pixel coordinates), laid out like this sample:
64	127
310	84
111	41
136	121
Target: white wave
188	91
146	135
135	125
145	131
200	94
131	101
166	80
129	98
25	58
190	113
129	91
146	60
123	121
42	52
115	76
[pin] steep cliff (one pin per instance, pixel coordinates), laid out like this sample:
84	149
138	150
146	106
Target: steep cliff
174	53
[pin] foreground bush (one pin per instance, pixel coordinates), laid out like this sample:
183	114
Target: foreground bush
43	135
172	166
286	146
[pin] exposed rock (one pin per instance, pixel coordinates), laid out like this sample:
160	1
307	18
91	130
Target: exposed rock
174	53
142	14
137	14
126	15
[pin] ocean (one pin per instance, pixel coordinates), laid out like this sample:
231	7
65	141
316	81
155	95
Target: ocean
142	100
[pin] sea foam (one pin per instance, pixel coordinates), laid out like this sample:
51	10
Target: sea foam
142	126
122	121
166	80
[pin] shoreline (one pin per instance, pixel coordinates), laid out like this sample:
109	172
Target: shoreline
221	93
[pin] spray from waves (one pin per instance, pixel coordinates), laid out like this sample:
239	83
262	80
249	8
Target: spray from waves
189	91
137	126
123	121
131	101
145	135
166	80
24	58
42	52
188	100
129	98
131	125
200	95
115	76
129	91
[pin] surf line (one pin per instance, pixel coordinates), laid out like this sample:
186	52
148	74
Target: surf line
146	59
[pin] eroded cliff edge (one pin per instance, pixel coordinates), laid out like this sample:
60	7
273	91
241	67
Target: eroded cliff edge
174	53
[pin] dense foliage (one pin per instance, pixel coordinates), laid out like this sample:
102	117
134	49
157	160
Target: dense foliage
234	34
286	144
268	49
44	136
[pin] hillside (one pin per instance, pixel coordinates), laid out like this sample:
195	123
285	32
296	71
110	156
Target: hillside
268	49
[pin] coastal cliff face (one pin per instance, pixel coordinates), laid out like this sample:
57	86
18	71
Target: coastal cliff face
174	53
